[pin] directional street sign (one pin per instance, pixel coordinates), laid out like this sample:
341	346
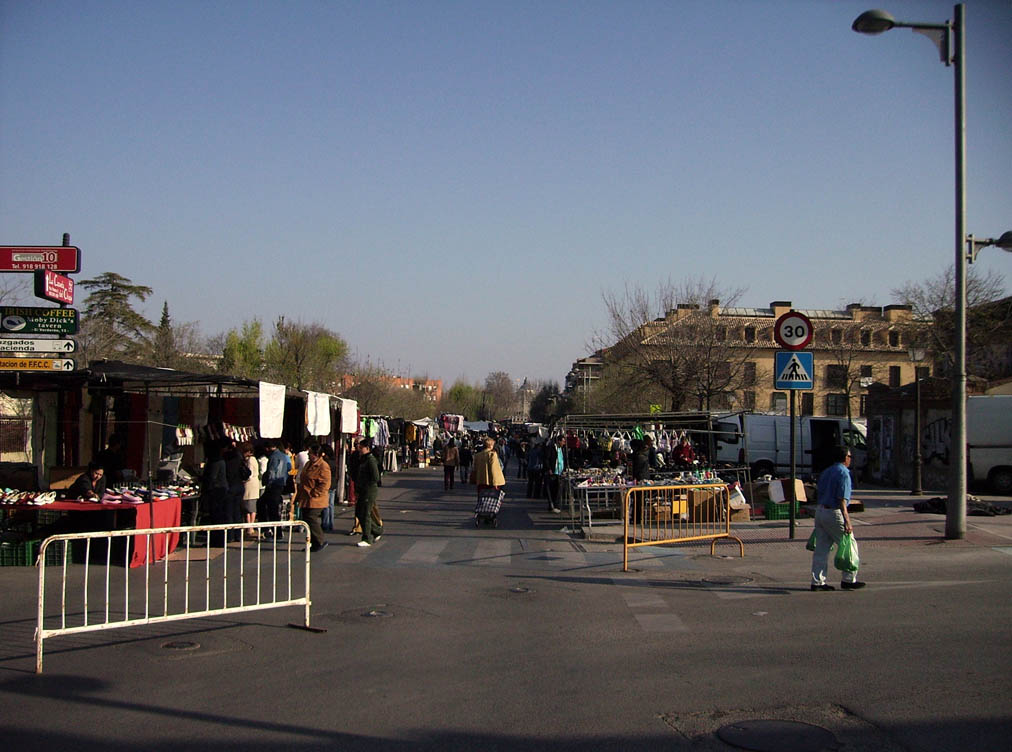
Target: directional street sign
35	345
29	320
793	331
794	370
36	364
28	258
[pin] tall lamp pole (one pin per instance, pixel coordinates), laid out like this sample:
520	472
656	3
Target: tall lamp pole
917	355
876	22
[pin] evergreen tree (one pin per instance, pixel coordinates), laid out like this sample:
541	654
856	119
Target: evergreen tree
111	328
164	350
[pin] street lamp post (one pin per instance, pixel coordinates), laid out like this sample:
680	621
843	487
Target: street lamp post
876	22
917	355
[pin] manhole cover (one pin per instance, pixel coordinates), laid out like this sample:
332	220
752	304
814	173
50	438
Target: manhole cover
181	645
729	580
377	613
520	589
777	736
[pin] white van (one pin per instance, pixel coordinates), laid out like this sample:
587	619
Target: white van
763	442
989	440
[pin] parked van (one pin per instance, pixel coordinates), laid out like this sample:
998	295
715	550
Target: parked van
989	440
763	442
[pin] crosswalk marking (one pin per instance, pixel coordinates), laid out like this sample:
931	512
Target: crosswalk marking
493	553
425	552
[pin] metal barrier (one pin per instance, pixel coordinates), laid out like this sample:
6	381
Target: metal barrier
656	515
222	594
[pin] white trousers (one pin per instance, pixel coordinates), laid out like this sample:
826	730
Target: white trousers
828	530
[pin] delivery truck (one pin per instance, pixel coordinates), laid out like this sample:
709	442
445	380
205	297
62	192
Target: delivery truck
989	441
763	442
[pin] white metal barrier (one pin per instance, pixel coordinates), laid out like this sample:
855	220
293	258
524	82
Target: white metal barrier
257	585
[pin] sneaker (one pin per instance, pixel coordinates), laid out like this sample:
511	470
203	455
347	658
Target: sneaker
314	549
364	544
352	532
823	588
852	585
376	538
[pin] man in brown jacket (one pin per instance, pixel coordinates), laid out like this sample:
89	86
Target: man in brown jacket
312	495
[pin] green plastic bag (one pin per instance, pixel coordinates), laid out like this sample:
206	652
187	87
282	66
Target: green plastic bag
810	546
847	559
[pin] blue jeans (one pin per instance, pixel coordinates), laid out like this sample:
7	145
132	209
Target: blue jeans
327	520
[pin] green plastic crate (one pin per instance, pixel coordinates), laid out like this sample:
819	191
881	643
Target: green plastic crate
779	511
16	554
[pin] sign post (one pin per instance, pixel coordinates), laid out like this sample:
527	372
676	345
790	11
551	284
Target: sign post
29	258
794	370
23	320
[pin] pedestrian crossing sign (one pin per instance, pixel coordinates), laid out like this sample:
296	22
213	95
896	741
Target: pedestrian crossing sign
794	370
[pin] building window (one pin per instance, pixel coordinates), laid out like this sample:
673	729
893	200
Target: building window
778	403
865	372
807	403
749	334
863	408
836	336
836	404
923	372
721	334
836	376
894	339
748	374
894	376
866	338
721	401
748	400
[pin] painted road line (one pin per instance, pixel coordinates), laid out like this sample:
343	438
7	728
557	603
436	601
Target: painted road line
424	552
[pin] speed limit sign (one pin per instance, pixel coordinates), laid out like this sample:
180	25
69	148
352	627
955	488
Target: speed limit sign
793	331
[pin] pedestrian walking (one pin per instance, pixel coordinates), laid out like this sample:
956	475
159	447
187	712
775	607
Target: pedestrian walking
465	460
327	522
312	493
553	464
366	488
451	457
488	471
832	521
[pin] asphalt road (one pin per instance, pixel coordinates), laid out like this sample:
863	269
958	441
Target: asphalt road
444	636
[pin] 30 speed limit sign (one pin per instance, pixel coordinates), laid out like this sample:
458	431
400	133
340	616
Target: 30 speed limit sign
793	331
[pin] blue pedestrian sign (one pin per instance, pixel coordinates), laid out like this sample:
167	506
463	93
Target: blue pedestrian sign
794	370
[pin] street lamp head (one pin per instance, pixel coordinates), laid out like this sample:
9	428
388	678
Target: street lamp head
1005	241
873	22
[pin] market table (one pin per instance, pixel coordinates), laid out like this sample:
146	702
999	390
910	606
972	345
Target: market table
156	513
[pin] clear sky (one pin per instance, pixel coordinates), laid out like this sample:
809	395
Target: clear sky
451	185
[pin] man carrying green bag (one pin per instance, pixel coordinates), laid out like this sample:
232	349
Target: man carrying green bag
832	525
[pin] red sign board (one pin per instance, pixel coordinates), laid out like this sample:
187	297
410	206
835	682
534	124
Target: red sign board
55	287
793	331
30	258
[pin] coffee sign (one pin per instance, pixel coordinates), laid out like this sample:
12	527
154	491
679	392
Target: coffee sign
29	320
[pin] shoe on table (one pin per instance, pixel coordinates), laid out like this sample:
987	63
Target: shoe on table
364	544
822	588
852	585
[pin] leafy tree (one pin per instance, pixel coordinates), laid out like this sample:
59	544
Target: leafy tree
242	353
548	402
111	328
500	396
461	399
306	356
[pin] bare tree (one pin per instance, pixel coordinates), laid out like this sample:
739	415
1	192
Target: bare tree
673	341
988	319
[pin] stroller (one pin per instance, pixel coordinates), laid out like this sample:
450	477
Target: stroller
488	506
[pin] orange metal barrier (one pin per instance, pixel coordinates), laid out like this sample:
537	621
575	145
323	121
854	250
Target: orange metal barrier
655	515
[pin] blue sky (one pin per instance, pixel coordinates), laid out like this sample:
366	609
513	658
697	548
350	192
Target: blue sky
451	185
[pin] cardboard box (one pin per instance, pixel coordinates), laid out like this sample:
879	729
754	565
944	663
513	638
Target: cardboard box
778	489
706	505
742	514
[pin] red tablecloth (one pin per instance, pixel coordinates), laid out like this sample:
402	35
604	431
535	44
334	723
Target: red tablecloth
150	514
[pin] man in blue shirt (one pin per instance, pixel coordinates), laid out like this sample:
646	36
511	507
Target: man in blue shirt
832	521
278	468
